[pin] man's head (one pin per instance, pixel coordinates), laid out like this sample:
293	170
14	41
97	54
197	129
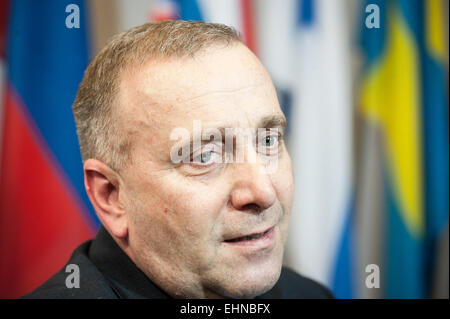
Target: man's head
182	223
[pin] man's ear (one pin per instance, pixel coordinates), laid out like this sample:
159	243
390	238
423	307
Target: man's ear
103	187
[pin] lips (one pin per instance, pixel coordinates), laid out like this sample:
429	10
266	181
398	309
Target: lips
248	237
253	242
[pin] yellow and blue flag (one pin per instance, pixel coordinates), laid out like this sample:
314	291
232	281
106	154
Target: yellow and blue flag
404	92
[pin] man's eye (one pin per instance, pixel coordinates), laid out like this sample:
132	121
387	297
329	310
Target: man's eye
269	141
205	158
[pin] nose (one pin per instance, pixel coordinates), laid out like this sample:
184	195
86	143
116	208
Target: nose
253	189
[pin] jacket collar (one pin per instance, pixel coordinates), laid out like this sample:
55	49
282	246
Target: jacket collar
126	279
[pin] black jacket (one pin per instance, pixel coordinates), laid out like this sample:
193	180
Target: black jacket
106	272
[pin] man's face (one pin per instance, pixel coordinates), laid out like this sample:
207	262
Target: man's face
186	220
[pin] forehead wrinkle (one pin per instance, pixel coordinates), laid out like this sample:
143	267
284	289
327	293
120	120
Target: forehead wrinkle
220	91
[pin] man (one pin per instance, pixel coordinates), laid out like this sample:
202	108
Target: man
182	217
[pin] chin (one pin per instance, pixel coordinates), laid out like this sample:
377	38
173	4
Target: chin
250	284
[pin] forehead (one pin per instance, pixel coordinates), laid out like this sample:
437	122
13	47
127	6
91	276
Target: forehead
225	87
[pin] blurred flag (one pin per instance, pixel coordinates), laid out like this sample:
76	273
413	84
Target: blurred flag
405	97
236	13
275	25
4	9
320	243
163	10
44	209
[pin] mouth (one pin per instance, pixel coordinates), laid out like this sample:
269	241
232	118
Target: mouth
261	239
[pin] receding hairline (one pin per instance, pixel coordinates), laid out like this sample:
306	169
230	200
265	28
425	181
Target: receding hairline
94	105
120	105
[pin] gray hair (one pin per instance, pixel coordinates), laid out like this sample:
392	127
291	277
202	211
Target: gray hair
98	132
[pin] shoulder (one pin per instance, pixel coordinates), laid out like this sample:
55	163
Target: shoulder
295	286
93	285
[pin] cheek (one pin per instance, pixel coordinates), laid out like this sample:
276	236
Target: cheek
283	181
179	220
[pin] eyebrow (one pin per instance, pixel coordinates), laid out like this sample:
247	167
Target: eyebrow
270	121
273	121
